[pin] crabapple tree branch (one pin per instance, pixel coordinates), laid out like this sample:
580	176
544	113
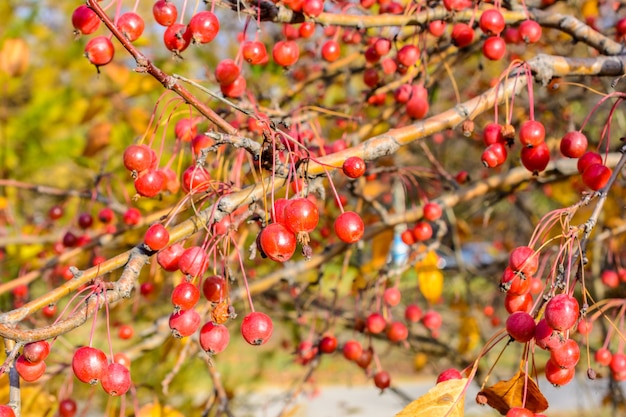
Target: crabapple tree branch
544	67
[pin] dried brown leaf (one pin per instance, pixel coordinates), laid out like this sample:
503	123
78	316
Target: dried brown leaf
505	395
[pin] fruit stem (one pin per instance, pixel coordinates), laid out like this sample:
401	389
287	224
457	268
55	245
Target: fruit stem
243	273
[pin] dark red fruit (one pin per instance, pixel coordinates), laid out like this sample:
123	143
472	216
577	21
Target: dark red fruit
558	376
193	261
532	133
331	50
256	328
610	278
618	363
491	22
349	227
236	89
432	320
449	374
131	25
352	350
514	283
417	107
536	159
214	338
184	323
437	28
156	237
125	332
589	158
185	296
164	12
204	27
566	355
177	37
137	158
408	55
286	53
513	303
354	167
277	242
521	326
36	352
301	215
492	133
546	337
85	20
596	176
432	211
494	48
313	8
29	371
422	231
168	258
55	212
99	50
457	5
494	155
392	296
132	216
196	179
67	408
397	332
375	323
462	35
116	380
530	31
603	356
226	72
254	52
524	259
574	144
328	344
149	183
89	364
106	215
519	412
382	380
562	312
215	289
412	313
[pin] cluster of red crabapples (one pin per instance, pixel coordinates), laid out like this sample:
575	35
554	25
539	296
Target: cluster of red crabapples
423	229
192	262
375	324
202	28
552	331
91	366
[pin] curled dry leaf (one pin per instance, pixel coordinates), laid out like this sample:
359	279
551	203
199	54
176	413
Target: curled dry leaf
505	395
445	399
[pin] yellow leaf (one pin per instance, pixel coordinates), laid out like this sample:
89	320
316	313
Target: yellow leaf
420	360
590	9
431	284
381	245
445	399
469	334
157	410
35	401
